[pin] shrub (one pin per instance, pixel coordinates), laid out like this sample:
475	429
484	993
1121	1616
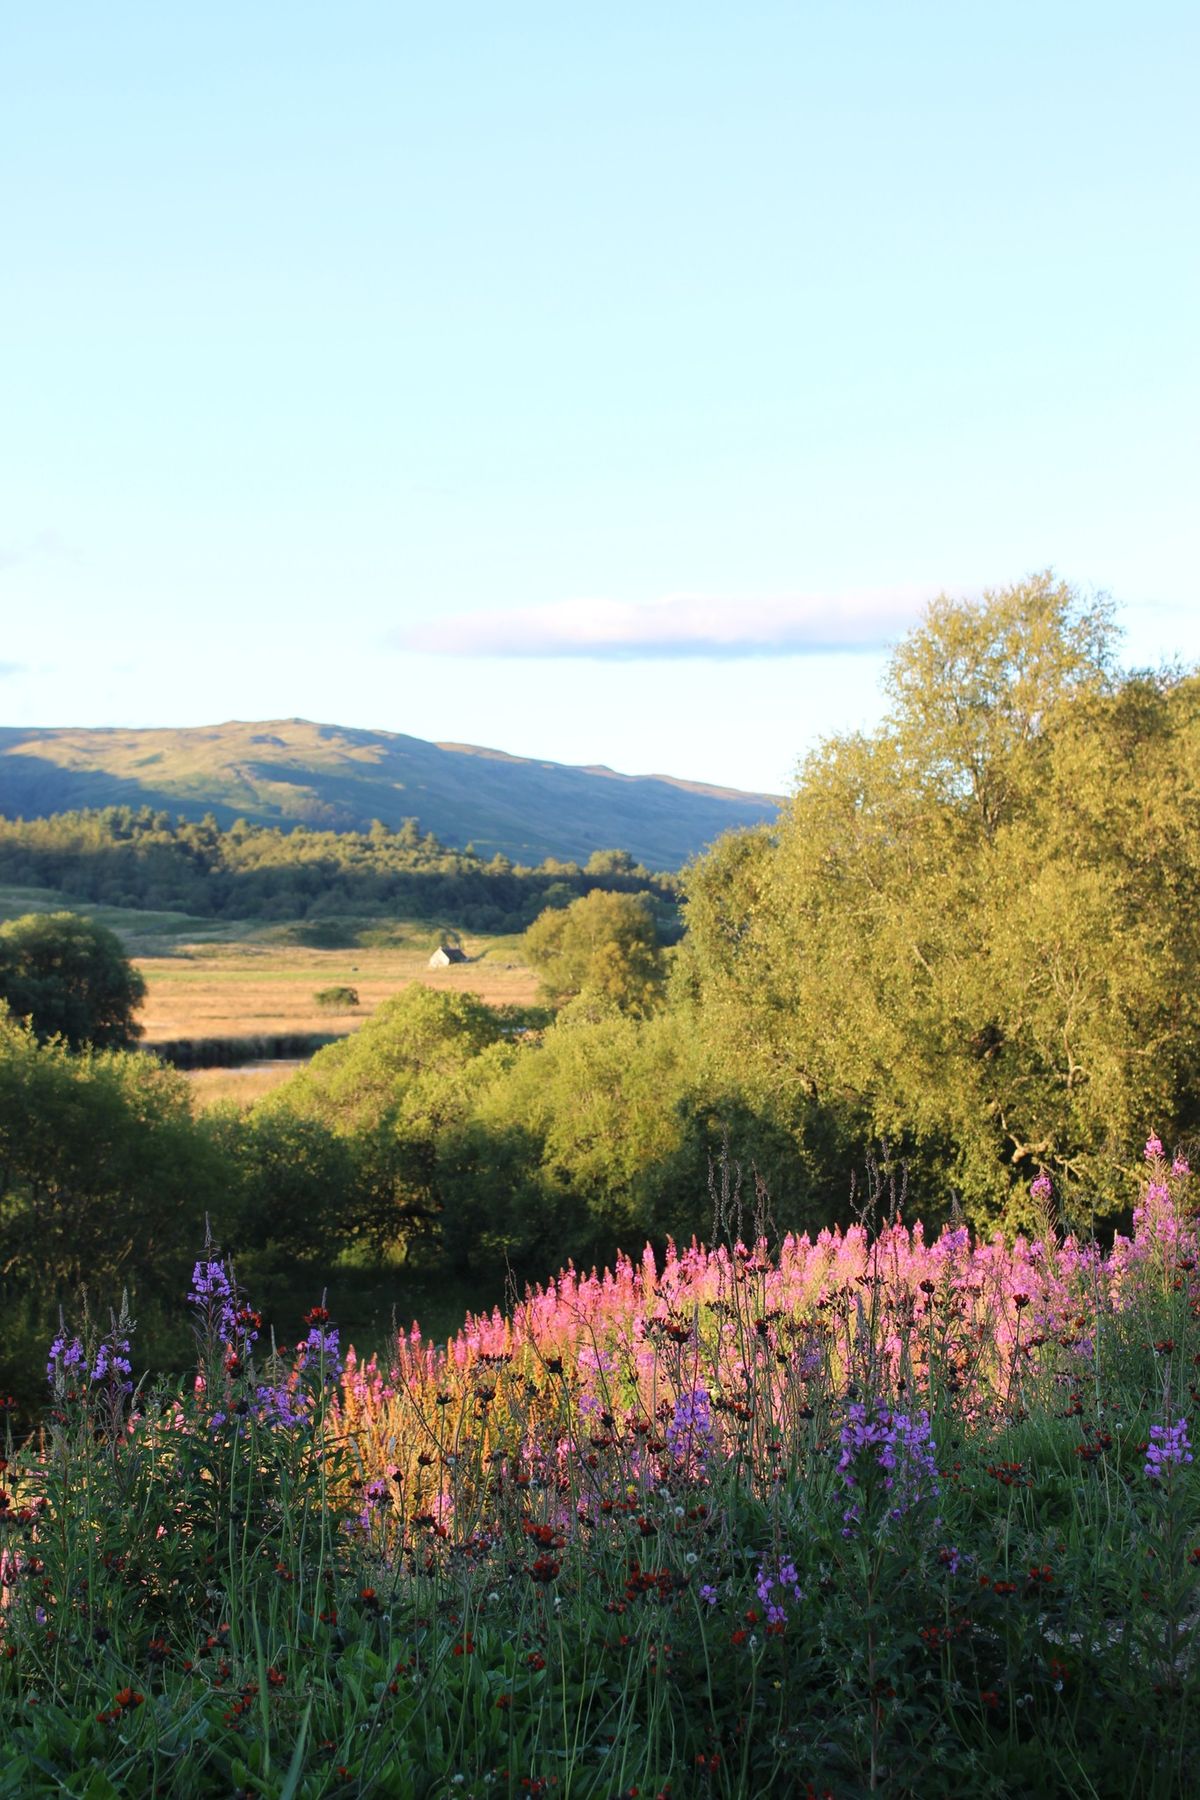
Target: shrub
336	999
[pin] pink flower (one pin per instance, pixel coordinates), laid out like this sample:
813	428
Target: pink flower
1153	1148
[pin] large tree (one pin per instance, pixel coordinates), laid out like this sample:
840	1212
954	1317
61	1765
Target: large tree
103	1176
603	945
71	979
974	930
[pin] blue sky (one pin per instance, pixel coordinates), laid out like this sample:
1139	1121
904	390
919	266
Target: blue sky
605	384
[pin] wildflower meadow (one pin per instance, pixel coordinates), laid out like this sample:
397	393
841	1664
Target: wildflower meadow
862	1513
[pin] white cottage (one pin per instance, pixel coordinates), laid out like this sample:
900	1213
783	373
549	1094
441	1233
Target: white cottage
445	954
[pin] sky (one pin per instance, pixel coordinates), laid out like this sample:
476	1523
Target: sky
605	384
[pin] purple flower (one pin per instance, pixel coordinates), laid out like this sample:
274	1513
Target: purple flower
64	1356
1169	1448
690	1432
1042	1187
112	1362
213	1294
898	1444
282	1406
773	1587
708	1594
210	1281
1154	1147
1181	1167
321	1346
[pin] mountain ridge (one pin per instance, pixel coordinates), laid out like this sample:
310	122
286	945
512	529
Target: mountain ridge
304	772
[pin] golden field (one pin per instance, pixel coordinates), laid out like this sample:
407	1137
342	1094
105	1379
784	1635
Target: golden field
249	988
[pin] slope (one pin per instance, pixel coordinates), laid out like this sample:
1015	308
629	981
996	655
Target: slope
292	771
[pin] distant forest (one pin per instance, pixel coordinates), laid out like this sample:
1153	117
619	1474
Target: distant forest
143	858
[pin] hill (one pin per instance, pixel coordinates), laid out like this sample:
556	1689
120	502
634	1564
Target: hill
294	772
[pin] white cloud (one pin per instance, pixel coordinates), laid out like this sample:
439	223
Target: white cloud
40	543
679	625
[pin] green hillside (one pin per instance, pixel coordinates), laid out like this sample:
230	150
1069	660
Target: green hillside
292	771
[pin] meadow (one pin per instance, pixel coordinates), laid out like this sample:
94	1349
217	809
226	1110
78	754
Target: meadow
856	1513
235	989
260	985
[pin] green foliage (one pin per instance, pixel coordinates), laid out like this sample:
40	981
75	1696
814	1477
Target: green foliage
295	1180
396	1065
390	1091
71	979
605	1128
605	946
969	932
104	1179
336	999
332	886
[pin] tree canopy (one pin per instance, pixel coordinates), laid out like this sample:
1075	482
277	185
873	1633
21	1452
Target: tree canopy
974	930
603	945
70	978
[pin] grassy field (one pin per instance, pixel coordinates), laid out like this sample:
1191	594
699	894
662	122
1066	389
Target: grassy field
139	931
208	978
261	987
243	1085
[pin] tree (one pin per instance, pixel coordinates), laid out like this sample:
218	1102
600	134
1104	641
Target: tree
972	932
336	999
104	1178
294	1178
390	1091
974	688
603	945
420	1036
611	862
71	979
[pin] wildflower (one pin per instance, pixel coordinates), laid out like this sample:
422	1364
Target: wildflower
1154	1147
321	1345
64	1356
282	1405
1181	1167
213	1294
112	1361
1042	1187
690	1433
1169	1447
772	1587
1010	1474
898	1444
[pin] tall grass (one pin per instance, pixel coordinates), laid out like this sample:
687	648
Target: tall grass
858	1515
